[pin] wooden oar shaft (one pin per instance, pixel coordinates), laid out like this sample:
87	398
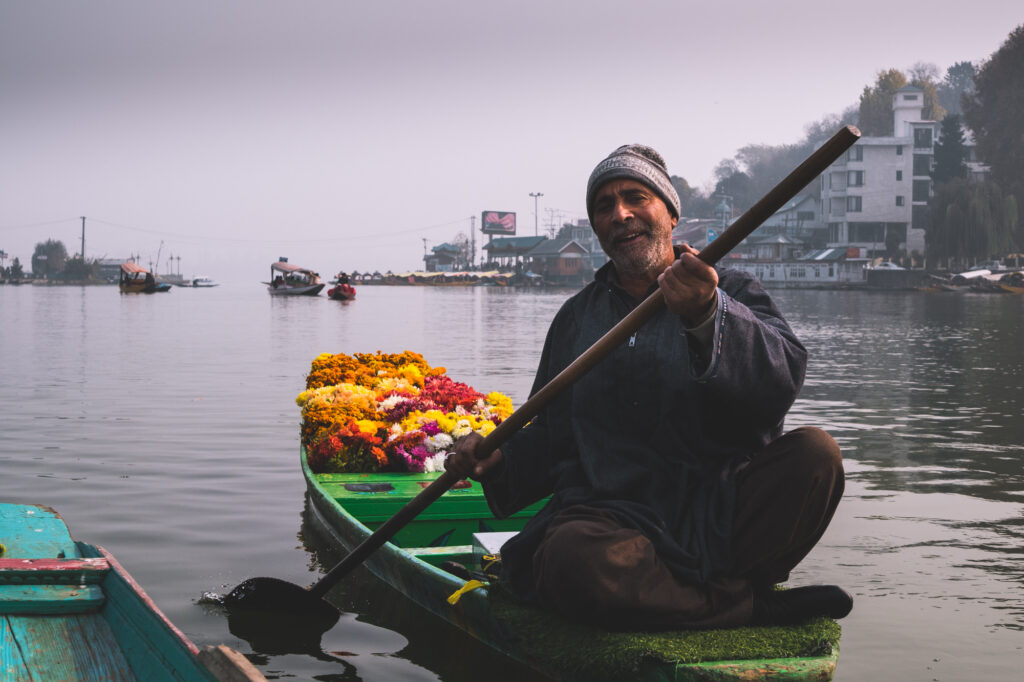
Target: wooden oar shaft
811	168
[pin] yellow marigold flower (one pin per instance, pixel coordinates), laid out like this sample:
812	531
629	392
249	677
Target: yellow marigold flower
369	426
412	374
500	404
388	384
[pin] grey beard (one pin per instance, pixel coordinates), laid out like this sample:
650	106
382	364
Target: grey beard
639	265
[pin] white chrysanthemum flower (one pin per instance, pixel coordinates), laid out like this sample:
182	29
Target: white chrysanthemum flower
390	402
435	462
438	442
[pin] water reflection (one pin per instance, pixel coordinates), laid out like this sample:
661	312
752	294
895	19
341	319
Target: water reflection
925	396
924	389
427	642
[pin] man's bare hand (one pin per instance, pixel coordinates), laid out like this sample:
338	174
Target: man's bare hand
689	286
466	462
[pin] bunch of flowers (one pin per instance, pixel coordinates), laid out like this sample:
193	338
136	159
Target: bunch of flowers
389	412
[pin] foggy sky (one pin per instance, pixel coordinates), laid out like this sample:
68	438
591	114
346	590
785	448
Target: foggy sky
344	134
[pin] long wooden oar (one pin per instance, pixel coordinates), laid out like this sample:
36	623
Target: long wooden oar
272	594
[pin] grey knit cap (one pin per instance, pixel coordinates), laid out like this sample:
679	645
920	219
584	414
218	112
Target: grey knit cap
636	162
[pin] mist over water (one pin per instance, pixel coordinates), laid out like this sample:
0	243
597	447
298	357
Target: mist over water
164	428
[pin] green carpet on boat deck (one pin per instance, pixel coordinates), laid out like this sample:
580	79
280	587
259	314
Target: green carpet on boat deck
580	651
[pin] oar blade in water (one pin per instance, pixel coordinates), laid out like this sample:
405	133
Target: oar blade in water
273	595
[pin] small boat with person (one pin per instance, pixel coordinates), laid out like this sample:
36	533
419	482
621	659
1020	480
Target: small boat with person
136	279
287	279
203	282
342	289
70	611
375	431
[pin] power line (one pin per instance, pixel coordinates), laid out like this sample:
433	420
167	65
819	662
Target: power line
43	224
275	240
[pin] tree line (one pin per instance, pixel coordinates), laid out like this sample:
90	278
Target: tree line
968	220
50	260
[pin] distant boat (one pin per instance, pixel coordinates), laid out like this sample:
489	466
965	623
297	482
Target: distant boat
203	282
342	290
136	279
69	611
287	279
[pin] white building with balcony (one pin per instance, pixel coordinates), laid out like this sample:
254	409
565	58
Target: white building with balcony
875	198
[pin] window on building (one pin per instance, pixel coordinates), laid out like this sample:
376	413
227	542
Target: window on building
921	190
899	200
856	153
899	150
853	204
910	98
867	232
855	178
833	232
896	232
919	217
922	138
899	176
804	215
922	164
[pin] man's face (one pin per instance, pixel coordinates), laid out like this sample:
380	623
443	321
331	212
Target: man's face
634	227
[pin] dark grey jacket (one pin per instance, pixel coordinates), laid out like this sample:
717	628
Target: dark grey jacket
653	432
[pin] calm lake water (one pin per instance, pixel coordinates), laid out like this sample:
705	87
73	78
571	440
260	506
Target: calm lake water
164	428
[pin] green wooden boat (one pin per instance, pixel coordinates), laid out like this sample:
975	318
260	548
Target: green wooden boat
70	612
459	528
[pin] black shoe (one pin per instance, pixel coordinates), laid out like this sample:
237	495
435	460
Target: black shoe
790	607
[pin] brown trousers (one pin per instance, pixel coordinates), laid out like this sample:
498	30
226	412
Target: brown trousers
588	566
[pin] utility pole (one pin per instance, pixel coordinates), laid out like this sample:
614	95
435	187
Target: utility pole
554	221
536	196
472	241
83	240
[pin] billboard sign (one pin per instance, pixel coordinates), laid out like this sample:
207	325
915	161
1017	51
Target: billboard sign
498	222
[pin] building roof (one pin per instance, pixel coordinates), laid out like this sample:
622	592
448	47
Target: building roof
553	247
758	239
802	199
514	242
826	254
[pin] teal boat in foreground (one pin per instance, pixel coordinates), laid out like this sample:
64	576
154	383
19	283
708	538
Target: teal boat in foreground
458	528
70	612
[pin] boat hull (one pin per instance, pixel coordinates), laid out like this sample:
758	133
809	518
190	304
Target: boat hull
415	573
341	292
70	611
284	290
